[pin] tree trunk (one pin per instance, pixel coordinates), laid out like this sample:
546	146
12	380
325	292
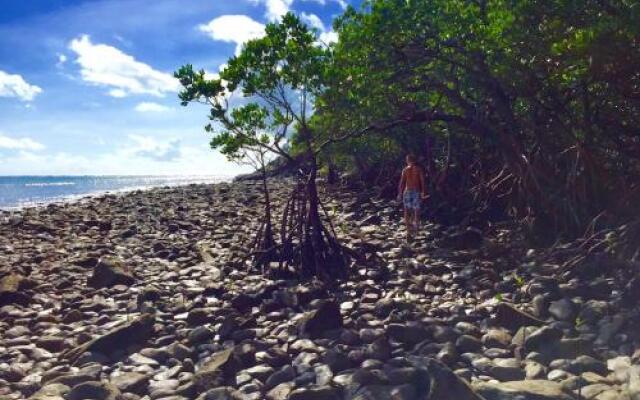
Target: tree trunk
322	254
268	229
308	247
332	176
313	234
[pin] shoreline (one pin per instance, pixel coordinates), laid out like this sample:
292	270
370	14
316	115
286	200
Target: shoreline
75	198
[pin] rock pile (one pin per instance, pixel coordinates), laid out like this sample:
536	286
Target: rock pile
147	296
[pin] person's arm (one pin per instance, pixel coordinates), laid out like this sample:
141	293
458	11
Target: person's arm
403	182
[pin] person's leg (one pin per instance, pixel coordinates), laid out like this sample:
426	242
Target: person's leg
406	204
407	221
414	210
407	218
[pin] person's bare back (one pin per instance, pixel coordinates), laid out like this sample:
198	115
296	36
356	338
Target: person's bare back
413	177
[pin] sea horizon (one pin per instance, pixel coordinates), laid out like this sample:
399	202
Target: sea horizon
100	175
20	191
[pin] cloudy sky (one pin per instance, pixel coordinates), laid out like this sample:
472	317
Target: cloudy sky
86	86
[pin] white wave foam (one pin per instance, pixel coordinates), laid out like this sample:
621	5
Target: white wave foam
45	184
120	186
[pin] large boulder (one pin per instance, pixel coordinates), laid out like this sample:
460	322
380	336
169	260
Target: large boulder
95	391
508	316
444	384
53	391
110	272
542	338
563	309
200	335
12	290
523	390
437	381
218	370
315	323
70	379
407	334
137	331
132	382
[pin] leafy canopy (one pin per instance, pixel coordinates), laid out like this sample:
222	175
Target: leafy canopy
541	94
278	77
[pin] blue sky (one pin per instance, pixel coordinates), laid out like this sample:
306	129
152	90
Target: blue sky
86	86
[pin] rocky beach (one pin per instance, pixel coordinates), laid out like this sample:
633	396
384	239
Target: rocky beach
149	295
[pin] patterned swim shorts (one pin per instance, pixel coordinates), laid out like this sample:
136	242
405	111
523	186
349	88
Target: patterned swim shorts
411	199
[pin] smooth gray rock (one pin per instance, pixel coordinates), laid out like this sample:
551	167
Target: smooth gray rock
523	390
219	369
94	391
132	382
136	331
315	323
497	338
407	334
508	316
315	393
542	337
53	391
563	309
109	272
507	369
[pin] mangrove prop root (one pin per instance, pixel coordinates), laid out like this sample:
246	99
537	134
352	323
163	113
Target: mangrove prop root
308	245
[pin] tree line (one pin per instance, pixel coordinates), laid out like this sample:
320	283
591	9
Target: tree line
518	109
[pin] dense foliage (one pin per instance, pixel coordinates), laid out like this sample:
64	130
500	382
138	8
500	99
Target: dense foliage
519	107
516	108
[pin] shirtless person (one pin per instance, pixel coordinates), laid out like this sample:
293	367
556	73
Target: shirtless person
411	190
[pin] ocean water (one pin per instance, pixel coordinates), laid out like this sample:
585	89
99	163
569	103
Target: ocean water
23	191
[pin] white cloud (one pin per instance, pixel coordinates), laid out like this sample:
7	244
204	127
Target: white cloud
107	66
208	75
10	143
118	93
275	8
13	85
239	29
147	106
313	21
149	147
342	3
326	36
147	158
236	29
